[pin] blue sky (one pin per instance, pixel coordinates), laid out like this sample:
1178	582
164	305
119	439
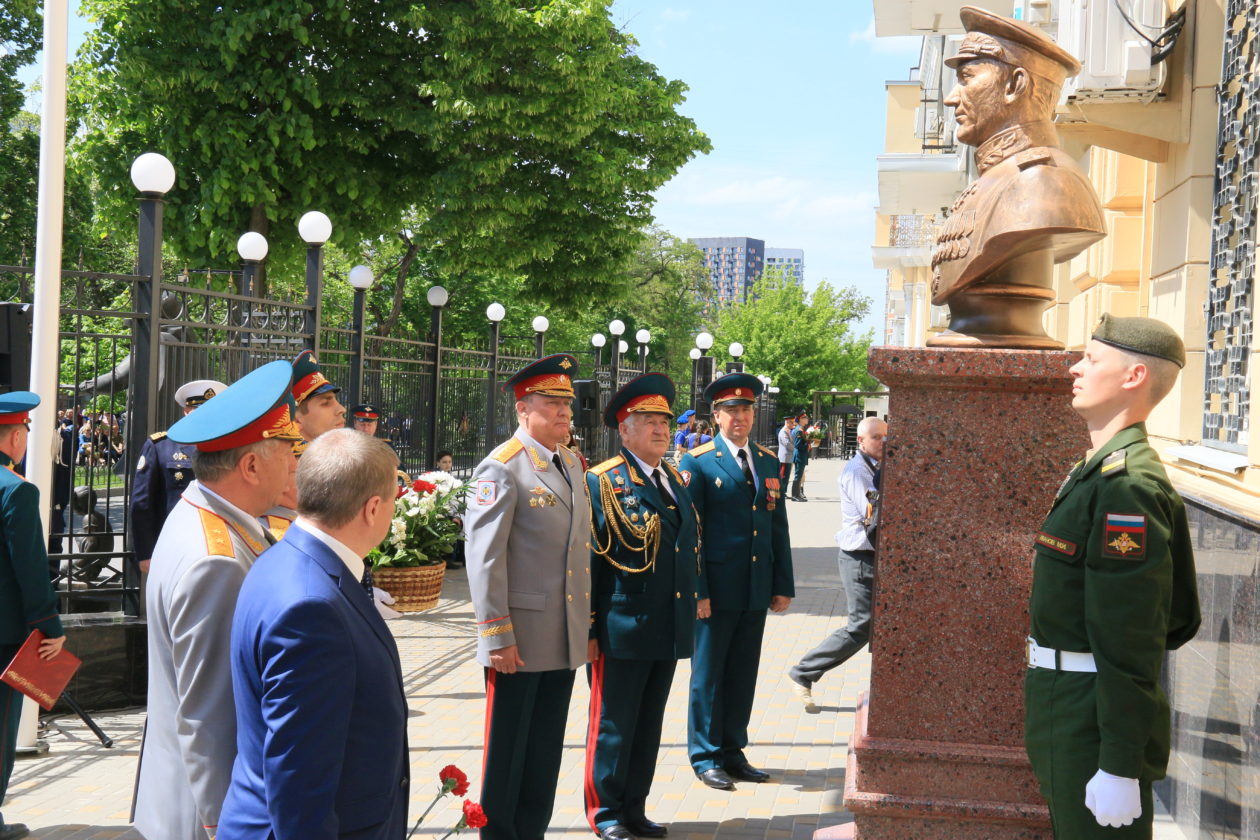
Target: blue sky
792	96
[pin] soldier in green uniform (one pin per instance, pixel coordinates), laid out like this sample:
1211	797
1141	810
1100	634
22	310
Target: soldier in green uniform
1113	590
648	591
27	599
747	558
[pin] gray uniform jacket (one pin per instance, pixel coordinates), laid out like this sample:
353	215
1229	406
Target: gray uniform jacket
199	564
528	556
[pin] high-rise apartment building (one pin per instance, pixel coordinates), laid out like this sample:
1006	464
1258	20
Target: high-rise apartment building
790	260
734	264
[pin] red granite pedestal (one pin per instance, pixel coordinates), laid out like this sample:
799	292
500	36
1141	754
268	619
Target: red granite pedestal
979	441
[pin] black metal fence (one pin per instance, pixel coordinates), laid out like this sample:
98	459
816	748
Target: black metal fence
434	397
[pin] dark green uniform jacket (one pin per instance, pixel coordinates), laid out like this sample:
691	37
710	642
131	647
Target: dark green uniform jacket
1113	576
27	599
745	545
643	614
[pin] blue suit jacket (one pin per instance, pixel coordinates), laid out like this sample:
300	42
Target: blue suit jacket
321	715
744	530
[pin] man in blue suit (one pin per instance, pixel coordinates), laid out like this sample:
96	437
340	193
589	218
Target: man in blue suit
648	591
747	559
321	716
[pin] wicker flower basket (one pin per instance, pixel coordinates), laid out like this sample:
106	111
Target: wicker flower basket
414	588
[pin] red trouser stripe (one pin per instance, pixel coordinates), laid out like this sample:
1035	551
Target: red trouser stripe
592	735
490	672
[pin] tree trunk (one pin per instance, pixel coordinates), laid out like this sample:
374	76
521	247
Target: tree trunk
259	222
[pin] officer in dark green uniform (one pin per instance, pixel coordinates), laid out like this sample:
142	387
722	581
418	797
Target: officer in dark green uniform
648	591
1113	590
27	599
747	559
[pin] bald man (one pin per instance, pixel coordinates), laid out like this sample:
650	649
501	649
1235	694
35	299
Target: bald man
858	488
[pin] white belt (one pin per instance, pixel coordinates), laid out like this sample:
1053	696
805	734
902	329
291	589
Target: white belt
1058	660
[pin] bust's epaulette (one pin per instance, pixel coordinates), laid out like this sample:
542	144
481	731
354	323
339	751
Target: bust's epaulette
1037	156
512	447
218	537
1113	464
701	449
767	451
615	461
156	436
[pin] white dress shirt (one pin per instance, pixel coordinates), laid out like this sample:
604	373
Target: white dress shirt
353	561
648	470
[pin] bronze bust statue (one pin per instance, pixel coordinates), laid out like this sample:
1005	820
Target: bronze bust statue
1030	208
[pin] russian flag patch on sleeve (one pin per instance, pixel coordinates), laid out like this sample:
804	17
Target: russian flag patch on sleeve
1125	536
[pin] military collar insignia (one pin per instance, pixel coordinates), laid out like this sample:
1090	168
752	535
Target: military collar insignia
1113	464
540	463
634	475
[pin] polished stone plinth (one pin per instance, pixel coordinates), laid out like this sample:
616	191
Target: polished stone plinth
979	441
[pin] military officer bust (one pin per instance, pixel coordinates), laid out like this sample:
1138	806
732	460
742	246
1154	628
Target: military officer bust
1113	590
163	471
528	560
244	459
649	588
747	559
1031	207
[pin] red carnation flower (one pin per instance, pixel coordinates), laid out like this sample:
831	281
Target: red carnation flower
473	815
401	490
422	486
454	780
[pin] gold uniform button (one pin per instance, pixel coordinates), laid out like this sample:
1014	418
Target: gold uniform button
677	594
570	573
754	558
570	597
588	570
754	533
588	596
588	545
754	507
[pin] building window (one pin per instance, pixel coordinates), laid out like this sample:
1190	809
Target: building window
1231	284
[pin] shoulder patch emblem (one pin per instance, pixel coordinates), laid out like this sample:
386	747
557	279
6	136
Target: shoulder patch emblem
685	476
140	464
1124	535
509	449
1056	543
156	436
1113	464
701	449
605	466
218	537
487	491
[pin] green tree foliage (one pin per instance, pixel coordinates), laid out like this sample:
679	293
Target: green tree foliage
524	138
802	341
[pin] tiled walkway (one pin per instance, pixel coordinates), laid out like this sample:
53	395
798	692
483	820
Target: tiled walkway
81	790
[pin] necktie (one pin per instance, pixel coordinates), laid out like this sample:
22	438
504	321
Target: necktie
366	580
659	478
743	462
555	459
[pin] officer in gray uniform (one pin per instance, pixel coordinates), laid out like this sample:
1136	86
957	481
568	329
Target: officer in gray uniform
163	472
529	575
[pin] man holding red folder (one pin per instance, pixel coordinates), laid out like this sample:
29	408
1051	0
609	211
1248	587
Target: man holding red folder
27	599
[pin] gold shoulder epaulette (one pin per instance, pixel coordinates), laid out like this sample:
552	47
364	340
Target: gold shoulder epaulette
701	449
156	436
218	537
1113	464
512	447
767	451
604	467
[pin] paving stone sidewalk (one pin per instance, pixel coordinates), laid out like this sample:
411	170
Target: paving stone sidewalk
81	790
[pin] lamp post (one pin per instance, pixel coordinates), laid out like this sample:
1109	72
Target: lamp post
361	279
540	334
643	337
437	297
597	343
252	248
315	228
494	313
704	371
615	329
694	355
735	365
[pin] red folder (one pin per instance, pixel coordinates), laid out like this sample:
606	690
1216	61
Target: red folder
39	679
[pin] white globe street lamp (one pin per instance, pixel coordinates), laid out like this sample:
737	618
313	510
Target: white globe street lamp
643	336
437	296
495	312
736	349
598	340
315	228
617	327
361	277
704	341
541	324
252	246
152	174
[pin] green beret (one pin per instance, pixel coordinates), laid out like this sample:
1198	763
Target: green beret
1142	335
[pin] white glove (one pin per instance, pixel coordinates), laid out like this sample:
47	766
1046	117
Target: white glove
1113	800
380	597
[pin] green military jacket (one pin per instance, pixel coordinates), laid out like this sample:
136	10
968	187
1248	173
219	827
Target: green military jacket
27	599
1114	576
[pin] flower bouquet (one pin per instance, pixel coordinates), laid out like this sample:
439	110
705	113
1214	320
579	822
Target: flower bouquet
454	782
410	562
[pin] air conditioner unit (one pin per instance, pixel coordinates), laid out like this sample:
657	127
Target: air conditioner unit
1115	58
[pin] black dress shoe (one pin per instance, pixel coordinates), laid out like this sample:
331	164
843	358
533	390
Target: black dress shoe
646	828
716	779
12	831
615	832
747	773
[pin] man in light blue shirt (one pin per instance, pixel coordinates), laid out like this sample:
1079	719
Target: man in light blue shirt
857	562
